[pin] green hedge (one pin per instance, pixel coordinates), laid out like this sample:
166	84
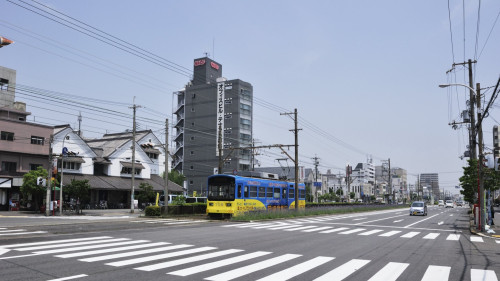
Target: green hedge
152	211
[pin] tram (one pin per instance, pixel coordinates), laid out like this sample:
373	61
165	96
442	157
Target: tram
233	195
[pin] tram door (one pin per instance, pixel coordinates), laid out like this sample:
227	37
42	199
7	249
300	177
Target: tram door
283	199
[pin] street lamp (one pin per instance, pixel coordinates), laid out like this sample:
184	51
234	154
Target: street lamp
480	201
63	153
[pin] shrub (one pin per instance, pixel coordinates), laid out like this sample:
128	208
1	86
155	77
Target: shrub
153	211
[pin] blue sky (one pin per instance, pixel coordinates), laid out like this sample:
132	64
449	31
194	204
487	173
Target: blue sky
363	75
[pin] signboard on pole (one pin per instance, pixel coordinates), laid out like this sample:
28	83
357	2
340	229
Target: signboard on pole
220	118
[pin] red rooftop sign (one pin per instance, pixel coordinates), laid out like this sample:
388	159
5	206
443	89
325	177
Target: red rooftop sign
199	62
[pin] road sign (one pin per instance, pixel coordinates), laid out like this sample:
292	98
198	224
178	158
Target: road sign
65	151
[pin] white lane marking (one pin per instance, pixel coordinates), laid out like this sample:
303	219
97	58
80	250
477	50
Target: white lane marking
217	264
105	251
134	253
317	229
300	228
420	221
343	271
268	226
35	248
371	232
398	221
259	224
431	236
161	256
451	215
21	256
390	233
497	241
435	272
297	269
242	271
187	260
363	222
390	272
69	277
483	275
106	245
3	251
360	219
284	226
53	242
334	230
12	230
440	223
476	239
453	237
410	234
352	231
242	224
22	233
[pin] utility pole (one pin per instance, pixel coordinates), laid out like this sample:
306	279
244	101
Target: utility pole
316	163
481	202
390	180
47	197
80	124
133	159
296	160
165	191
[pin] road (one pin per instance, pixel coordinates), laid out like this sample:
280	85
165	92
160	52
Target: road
380	245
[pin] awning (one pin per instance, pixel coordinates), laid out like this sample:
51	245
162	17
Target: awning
152	150
129	165
5	182
74	159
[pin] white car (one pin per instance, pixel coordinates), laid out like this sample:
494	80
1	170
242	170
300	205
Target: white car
449	204
440	203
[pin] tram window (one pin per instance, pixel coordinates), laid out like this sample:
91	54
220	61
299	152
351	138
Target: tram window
269	192
262	191
283	195
291	193
302	194
246	191
277	193
239	190
253	191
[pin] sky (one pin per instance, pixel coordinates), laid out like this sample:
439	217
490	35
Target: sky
363	75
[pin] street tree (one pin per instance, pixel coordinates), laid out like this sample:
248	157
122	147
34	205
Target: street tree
31	187
175	176
146	194
469	180
78	190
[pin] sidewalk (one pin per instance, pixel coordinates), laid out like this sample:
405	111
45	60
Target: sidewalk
495	227
97	212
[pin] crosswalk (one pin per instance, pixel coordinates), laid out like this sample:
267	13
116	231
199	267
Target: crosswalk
169	221
344	230
212	263
6	232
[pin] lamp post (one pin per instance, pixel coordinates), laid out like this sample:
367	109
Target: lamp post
480	182
63	153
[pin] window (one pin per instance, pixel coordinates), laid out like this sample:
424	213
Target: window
245	95
262	192
277	193
302	194
239	191
192	109
228	101
193	95
253	191
4	84
72	166
152	155
245	109
33	167
192	138
191	168
191	182
9	166
245	137
269	193
37	140
192	152
228	116
245	123
291	193
8	136
192	124
246	191
125	170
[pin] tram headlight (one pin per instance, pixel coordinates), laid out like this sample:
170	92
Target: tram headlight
211	204
228	204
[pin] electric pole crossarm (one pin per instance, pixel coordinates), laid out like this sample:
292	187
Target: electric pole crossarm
293	160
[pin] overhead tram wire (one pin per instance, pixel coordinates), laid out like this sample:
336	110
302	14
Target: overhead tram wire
86	31
185	71
489	34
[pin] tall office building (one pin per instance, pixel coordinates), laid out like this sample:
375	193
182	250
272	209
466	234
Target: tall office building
211	108
431	181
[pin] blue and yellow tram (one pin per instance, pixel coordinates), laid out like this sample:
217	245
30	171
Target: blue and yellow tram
230	195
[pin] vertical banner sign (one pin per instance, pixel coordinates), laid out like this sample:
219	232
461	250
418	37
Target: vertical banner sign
220	118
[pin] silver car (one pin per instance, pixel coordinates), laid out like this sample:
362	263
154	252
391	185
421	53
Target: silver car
418	208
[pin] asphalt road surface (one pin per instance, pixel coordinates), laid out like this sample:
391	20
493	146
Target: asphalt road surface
380	245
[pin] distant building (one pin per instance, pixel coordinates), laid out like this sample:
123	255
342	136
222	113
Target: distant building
431	181
211	108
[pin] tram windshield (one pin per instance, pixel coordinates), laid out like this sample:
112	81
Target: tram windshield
221	189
